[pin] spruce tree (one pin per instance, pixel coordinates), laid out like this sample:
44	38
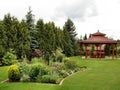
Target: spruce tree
70	28
34	44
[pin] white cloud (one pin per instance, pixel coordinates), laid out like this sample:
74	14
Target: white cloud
77	10
87	15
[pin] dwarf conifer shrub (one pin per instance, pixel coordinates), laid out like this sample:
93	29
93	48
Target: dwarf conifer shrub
9	59
13	73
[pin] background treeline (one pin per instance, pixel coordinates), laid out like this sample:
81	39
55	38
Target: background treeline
26	39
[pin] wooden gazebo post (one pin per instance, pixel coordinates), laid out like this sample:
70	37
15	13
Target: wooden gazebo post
86	51
80	49
97	51
100	52
109	50
116	50
113	51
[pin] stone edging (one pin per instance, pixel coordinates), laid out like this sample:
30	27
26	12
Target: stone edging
61	82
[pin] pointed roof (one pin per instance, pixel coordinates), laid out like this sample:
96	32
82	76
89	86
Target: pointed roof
98	34
99	37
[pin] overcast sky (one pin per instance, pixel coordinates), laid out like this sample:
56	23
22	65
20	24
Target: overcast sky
89	16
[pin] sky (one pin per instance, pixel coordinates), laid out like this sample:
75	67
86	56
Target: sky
88	16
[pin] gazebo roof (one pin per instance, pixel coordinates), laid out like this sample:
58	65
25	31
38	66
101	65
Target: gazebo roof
99	38
98	34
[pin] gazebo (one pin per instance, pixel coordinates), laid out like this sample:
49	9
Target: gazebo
99	40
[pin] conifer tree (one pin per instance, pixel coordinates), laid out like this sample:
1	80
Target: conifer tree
70	28
2	41
68	50
23	40
34	43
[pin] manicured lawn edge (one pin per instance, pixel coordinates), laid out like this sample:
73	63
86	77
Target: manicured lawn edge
82	70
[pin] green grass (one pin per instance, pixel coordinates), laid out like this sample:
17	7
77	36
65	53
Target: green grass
27	86
3	73
100	75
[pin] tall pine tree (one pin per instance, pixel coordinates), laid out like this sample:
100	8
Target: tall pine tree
70	28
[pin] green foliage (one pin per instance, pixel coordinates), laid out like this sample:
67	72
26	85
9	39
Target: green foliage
13	73
71	64
49	36
93	78
23	68
2	41
15	35
40	35
36	60
59	55
64	73
66	59
70	28
37	70
9	59
11	25
34	72
25	78
47	58
23	40
31	27
59	70
24	71
24	37
68	50
48	79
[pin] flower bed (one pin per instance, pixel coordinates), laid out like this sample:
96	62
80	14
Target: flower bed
40	72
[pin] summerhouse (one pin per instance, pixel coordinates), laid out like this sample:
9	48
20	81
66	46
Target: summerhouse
99	40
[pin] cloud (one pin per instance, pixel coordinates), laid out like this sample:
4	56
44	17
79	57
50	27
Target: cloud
79	9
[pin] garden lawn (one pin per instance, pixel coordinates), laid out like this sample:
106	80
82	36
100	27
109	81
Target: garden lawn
99	75
3	73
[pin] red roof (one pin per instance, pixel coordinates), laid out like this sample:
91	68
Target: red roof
99	37
98	34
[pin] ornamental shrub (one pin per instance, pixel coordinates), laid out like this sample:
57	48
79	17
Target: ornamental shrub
37	70
23	68
34	72
13	73
66	59
25	78
70	64
59	55
9	59
48	79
